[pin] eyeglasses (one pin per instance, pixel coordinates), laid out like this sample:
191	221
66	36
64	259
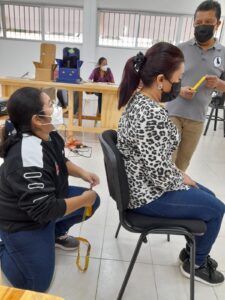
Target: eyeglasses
52	105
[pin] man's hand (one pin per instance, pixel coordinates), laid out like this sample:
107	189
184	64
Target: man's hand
186	92
92	178
212	81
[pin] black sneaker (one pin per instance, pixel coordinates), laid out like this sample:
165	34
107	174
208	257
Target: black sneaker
67	242
206	274
185	255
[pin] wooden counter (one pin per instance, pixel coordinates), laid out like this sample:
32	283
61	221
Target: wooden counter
9	293
109	116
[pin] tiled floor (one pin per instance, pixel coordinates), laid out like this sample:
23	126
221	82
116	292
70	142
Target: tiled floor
156	274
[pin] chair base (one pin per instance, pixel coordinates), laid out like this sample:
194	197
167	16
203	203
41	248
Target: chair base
215	119
143	237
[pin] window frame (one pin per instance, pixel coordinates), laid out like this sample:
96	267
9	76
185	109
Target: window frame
181	18
42	21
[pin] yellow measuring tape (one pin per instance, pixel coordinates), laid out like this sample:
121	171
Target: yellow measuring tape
198	83
87	213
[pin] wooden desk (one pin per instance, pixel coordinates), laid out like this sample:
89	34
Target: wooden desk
109	116
8	293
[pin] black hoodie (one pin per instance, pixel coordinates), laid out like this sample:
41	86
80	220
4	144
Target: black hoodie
33	183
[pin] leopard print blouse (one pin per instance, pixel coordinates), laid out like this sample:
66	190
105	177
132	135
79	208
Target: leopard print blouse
147	139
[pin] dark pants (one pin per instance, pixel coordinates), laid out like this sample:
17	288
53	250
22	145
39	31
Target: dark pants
62	96
99	102
191	204
28	257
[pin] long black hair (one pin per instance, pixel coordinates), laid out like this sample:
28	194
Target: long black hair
22	105
162	58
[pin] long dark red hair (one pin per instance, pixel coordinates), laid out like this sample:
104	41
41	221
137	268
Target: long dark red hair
162	58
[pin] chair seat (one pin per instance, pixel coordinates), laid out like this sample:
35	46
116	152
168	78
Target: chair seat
140	222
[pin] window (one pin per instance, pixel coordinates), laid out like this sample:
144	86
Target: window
63	24
1	27
22	21
42	22
142	30
154	29
118	29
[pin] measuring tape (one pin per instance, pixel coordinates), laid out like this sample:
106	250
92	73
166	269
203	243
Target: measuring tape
198	83
87	213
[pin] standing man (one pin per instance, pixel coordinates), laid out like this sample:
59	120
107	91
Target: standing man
204	55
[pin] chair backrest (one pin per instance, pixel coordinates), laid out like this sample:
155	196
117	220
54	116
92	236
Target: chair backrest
115	169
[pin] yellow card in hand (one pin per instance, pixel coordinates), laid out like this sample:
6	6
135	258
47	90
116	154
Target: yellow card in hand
198	83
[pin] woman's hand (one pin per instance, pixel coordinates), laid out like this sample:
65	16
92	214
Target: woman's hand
92	178
86	199
76	171
186	92
189	181
89	198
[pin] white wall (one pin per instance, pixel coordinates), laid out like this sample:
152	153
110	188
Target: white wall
58	2
172	6
16	56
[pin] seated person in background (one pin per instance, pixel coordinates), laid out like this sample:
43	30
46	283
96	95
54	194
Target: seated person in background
147	139
37	206
101	73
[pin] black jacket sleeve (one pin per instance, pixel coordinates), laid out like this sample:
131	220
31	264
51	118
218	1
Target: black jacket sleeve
35	189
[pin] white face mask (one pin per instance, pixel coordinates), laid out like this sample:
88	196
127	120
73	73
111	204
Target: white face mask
104	68
56	117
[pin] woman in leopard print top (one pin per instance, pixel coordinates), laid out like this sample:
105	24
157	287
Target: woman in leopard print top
147	139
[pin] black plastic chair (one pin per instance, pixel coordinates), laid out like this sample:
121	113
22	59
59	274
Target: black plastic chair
216	104
119	191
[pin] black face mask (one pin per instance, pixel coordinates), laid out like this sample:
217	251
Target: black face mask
174	93
203	33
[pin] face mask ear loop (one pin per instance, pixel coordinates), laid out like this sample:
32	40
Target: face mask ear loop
40	115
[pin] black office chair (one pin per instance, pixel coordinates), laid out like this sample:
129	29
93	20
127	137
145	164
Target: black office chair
216	104
119	191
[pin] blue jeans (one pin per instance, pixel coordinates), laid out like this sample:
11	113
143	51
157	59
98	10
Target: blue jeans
190	204
28	257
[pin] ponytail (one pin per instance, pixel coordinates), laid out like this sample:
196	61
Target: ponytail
8	137
22	105
131	78
162	58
